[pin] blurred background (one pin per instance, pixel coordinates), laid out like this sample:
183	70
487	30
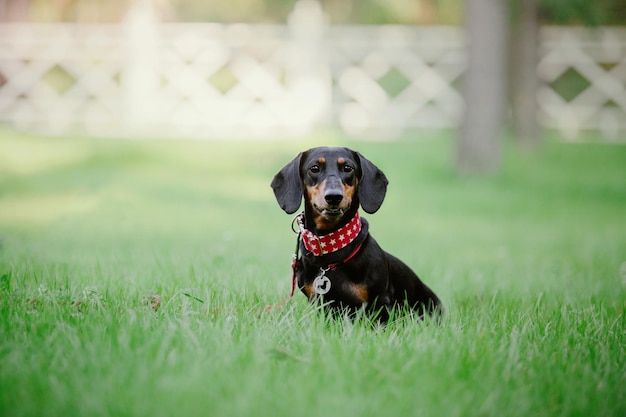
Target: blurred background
260	68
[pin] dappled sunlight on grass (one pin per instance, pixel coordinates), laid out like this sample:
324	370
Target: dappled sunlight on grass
23	155
47	179
27	211
135	191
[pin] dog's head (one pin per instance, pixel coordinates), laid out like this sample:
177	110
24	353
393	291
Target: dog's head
333	182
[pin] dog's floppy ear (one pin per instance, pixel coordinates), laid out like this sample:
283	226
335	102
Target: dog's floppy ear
287	186
372	185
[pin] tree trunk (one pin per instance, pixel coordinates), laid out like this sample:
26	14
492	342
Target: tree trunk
523	87
478	148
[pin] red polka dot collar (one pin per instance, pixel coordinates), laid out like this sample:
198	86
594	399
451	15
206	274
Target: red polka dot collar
320	245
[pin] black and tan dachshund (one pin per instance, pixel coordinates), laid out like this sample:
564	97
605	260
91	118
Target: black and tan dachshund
340	263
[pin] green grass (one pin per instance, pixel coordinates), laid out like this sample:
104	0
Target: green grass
530	263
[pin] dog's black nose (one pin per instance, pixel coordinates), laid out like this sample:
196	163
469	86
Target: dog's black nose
333	197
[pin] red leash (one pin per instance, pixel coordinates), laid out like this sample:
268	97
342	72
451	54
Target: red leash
295	264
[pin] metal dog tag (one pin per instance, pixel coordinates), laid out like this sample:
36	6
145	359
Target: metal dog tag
321	283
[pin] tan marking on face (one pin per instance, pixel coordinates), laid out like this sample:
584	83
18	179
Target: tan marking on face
315	194
322	223
349	191
322	160
341	161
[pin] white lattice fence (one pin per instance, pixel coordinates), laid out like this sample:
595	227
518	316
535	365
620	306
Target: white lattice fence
142	77
146	78
584	80
223	79
394	77
60	76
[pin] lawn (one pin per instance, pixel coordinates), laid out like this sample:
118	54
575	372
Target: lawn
134	277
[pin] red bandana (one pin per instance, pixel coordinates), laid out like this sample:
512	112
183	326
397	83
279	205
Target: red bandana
331	242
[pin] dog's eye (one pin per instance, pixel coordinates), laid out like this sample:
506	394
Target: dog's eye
315	169
348	168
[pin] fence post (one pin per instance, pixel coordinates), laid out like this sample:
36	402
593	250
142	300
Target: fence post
308	72
140	77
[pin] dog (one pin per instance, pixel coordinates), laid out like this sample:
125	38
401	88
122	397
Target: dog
337	262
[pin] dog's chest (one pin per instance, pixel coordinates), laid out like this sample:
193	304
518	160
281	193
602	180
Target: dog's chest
332	284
